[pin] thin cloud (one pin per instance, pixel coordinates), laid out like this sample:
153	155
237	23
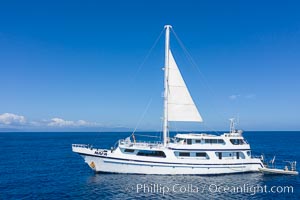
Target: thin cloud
234	96
12	119
59	122
238	96
250	96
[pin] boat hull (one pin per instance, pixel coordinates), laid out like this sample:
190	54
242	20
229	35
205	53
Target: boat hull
277	171
113	165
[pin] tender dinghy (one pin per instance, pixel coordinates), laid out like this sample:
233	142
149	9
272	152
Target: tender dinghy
285	171
277	171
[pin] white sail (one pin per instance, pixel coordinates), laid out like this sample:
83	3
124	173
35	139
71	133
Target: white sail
181	106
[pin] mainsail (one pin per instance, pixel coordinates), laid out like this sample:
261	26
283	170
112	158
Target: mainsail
181	106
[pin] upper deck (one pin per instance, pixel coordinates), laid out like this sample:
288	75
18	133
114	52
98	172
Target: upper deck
193	141
203	140
140	144
237	134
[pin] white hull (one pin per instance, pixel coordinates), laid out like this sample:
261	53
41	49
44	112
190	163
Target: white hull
277	171
132	167
116	163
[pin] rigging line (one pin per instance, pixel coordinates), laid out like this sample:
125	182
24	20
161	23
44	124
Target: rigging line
183	104
190	58
208	128
147	135
211	129
158	131
142	117
162	126
147	55
194	64
176	127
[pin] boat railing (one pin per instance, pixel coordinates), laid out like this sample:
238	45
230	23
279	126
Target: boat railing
292	165
258	157
140	143
87	146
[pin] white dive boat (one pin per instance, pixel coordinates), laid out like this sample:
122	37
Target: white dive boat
189	153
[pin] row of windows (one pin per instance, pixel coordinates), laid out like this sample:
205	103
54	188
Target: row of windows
237	155
162	154
188	154
210	141
238	141
147	153
129	150
151	153
214	141
200	141
220	155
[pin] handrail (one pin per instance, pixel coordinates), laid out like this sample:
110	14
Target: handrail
81	145
88	146
141	143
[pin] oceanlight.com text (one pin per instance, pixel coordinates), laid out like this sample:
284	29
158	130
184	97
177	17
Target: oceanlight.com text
209	188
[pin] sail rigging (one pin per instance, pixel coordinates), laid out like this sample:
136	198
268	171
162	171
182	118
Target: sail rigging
181	106
178	103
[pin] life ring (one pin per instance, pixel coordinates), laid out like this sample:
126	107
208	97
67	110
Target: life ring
92	165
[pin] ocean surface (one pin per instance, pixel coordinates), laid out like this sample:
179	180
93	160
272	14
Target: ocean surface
43	166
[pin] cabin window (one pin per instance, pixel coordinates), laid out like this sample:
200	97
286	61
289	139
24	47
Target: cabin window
129	150
184	154
180	140
189	141
249	153
214	141
151	153
230	155
225	154
237	141
197	141
220	155
234	141
207	141
240	155
201	154
221	141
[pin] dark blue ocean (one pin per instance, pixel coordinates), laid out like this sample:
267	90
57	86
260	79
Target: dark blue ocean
43	166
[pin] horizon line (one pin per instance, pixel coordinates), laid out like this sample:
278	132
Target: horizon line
72	131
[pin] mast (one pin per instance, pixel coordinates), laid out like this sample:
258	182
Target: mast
232	128
166	69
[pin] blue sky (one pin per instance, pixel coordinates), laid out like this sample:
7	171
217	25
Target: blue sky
77	65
